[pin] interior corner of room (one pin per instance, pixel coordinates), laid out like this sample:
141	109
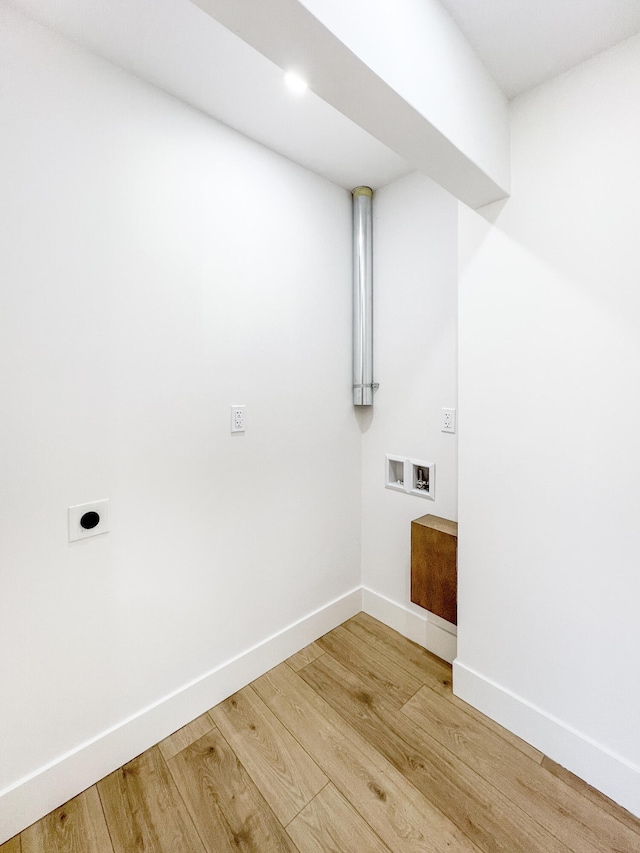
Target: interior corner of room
176	233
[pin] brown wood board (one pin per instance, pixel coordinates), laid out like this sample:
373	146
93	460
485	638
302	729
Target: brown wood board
427	668
330	824
228	809
76	827
434	571
555	805
286	776
144	810
460	793
185	736
391	805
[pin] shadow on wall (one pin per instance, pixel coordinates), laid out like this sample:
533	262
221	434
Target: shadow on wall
364	417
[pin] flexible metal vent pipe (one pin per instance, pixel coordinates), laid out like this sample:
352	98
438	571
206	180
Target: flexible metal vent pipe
363	384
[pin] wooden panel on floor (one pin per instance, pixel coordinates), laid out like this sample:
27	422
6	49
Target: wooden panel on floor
429	669
226	806
285	775
593	795
582	826
76	827
486	816
11	846
144	810
380	673
185	736
329	824
394	809
434	566
304	656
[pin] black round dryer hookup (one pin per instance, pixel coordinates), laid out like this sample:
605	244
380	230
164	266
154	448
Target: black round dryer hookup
90	520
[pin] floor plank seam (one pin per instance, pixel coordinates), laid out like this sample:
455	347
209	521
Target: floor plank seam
203	841
363	748
106	822
380	643
508	795
306	805
418	792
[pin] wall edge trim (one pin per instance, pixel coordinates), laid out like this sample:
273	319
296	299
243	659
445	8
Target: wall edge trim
53	784
598	765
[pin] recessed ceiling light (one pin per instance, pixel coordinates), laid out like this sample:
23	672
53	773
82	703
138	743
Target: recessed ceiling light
295	83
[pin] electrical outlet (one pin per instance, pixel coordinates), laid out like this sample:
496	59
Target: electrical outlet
237	419
448	420
87	520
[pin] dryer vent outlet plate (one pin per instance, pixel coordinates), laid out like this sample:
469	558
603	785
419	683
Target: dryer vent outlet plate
87	520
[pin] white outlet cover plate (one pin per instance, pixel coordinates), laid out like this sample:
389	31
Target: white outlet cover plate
448	420
238	418
77	531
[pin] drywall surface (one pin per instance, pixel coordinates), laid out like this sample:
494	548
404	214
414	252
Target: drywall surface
180	49
415	46
415	269
157	268
404	73
549	422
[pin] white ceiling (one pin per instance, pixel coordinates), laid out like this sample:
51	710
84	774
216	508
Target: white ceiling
177	47
182	50
525	42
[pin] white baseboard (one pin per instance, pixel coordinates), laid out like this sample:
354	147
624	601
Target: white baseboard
616	777
428	630
50	786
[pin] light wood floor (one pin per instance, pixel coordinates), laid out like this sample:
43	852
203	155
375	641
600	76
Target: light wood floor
356	745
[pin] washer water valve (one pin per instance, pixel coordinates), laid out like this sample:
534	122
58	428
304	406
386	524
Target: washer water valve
422	483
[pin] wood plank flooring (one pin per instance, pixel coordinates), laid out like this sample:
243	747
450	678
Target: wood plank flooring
354	745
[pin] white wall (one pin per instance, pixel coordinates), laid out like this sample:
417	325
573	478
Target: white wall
402	72
549	637
415	317
156	268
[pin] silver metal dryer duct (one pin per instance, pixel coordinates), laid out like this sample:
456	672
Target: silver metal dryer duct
363	385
